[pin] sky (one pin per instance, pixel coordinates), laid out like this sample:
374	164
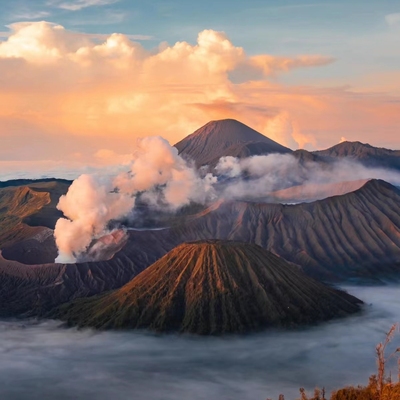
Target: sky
81	80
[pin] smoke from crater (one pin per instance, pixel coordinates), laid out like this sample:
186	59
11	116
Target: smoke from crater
156	171
165	181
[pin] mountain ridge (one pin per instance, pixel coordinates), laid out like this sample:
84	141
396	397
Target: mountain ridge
370	156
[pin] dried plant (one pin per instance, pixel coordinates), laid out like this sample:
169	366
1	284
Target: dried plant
380	386
382	362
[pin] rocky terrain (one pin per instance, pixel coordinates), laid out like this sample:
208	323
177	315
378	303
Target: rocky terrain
363	152
351	237
355	236
226	138
213	287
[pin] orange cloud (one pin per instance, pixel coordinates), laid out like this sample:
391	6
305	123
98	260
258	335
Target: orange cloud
63	86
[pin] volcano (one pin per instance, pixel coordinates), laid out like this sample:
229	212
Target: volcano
214	287
223	138
354	237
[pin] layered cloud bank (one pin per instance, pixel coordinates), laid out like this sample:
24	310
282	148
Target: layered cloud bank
61	89
270	174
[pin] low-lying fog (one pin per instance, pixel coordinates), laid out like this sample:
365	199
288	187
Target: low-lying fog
44	361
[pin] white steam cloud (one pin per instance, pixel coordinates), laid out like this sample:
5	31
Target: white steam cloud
263	176
93	201
166	181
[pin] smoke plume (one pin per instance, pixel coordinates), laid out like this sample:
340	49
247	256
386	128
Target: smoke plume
165	181
260	177
93	201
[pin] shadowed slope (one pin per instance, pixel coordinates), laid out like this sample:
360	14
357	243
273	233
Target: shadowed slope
226	137
362	152
35	289
356	235
27	216
35	182
16	203
214	287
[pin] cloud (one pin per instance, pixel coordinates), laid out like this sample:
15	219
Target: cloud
104	91
393	19
80	4
133	80
161	178
333	354
110	157
40	42
284	130
266	175
105	36
31	15
93	201
271	64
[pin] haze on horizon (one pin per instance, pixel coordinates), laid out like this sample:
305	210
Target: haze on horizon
83	79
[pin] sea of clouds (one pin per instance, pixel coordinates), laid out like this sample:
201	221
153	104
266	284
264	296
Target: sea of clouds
41	360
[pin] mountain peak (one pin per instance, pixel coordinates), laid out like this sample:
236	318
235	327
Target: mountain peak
357	150
214	287
226	137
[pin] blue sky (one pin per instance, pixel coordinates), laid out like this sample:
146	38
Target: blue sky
277	26
362	35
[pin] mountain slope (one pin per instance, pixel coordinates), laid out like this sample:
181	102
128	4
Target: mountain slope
35	289
353	236
27	217
29	213
214	287
364	153
225	138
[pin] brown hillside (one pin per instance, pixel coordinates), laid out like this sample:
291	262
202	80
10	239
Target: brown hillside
353	236
214	287
363	152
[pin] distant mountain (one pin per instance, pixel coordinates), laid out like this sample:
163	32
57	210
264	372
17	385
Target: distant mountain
229	137
362	152
226	137
355	236
27	182
28	210
213	287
